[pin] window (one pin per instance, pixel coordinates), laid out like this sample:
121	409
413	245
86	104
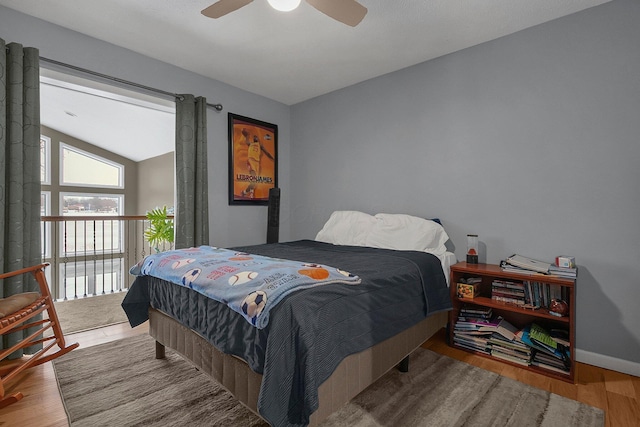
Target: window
84	169
91	236
91	204
45	227
45	203
97	243
45	160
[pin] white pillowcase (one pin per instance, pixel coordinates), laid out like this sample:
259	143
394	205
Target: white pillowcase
388	231
347	228
407	233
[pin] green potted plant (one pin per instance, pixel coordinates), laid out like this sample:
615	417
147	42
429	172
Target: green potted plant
160	229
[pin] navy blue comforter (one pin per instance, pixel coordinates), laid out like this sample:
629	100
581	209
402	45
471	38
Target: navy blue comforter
311	330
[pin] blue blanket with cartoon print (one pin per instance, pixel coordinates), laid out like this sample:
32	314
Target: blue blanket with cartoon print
249	284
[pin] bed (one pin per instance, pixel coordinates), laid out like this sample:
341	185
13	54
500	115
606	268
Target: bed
322	345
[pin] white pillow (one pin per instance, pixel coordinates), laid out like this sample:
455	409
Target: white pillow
407	233
347	228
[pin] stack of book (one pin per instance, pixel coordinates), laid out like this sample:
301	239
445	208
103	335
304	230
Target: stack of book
567	272
475	312
512	350
474	327
532	346
546	352
543	360
508	291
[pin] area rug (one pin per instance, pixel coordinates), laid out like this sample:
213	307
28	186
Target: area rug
77	315
121	383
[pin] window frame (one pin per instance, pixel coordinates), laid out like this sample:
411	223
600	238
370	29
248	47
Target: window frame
45	227
47	160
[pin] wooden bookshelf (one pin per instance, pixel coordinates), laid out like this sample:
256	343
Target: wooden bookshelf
514	314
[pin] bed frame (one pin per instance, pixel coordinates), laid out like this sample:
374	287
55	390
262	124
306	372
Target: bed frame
352	375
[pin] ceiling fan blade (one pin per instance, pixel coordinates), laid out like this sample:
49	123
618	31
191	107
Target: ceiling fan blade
349	12
222	7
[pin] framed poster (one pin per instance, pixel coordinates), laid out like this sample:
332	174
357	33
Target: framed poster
253	160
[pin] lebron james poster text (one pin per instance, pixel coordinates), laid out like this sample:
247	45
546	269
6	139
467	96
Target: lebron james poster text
253	160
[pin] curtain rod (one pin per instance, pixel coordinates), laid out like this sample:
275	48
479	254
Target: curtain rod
217	107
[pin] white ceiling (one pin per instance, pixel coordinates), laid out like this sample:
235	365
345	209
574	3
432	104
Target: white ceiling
291	57
127	123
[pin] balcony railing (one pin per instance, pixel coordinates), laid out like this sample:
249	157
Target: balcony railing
91	255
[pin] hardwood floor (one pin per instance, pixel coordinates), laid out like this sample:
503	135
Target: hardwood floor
618	394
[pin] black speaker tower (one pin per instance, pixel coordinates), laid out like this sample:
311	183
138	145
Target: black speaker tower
273	214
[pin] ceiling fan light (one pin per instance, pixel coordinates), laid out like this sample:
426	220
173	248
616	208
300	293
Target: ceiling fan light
284	5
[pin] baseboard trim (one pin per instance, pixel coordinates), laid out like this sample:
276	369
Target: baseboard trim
608	362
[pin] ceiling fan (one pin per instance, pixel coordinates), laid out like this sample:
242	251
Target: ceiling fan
349	12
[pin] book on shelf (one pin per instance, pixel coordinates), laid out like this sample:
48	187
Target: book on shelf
542	357
470	280
511	358
464	326
560	336
544	360
528	263
508	268
509	284
540	336
560	370
559	352
498	325
507	293
476	309
538	294
480	341
464	345
497	340
566	272
506	329
508	300
469	333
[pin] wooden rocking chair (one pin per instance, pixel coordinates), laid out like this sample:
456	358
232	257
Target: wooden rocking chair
16	314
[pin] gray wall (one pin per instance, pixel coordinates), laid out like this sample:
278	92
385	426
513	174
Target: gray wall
156	183
230	225
530	141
